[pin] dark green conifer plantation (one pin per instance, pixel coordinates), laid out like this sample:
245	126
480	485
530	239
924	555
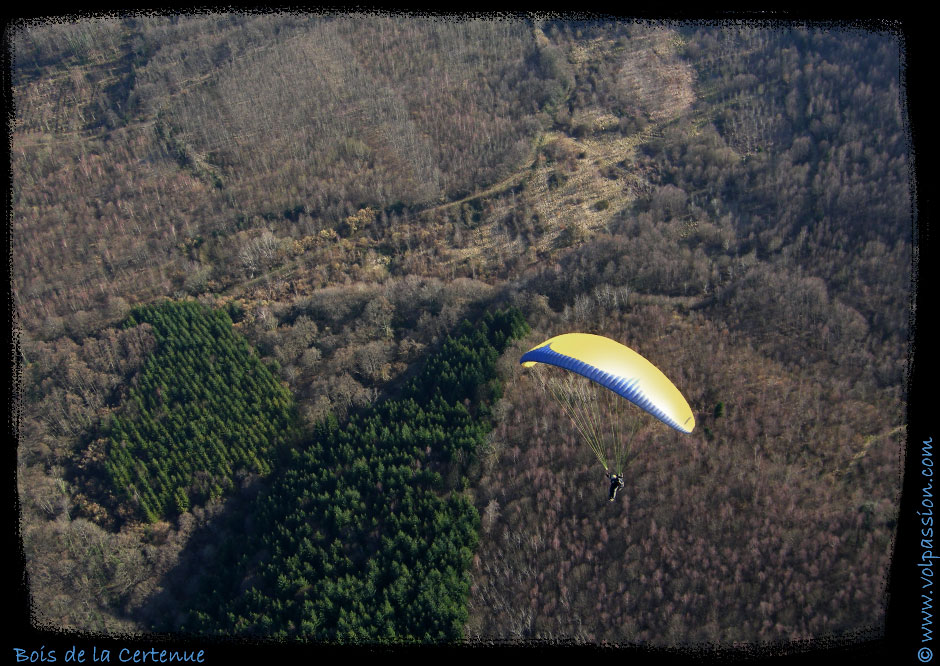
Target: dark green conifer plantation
361	539
204	413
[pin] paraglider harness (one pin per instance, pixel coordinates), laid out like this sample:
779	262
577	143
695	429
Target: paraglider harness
616	483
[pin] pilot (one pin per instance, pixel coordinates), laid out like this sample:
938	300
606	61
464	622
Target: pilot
616	483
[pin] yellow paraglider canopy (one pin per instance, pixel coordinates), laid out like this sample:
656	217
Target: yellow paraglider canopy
623	374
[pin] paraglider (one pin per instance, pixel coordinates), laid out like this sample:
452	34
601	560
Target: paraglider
598	381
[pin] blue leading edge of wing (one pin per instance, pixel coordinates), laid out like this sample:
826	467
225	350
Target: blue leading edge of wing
626	387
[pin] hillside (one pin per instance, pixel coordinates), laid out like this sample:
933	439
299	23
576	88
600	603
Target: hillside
339	193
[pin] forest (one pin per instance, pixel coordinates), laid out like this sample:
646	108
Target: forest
372	542
191	428
272	275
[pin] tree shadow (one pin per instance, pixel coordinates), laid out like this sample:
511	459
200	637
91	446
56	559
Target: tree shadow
214	567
